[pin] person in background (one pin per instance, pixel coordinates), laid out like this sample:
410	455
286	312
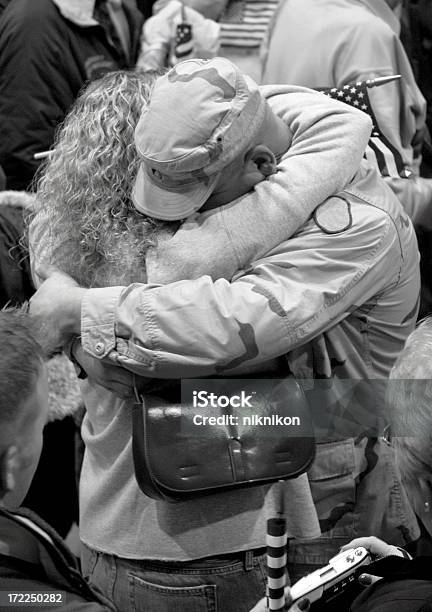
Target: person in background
56	469
332	43
33	557
396	581
416	36
237	35
16	285
48	50
406	584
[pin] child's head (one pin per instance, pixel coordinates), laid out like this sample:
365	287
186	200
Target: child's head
206	136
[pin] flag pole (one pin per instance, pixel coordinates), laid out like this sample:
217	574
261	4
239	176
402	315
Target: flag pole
382	80
276	554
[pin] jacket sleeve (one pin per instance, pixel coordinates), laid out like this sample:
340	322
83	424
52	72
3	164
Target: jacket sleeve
203	327
400	109
37	86
328	142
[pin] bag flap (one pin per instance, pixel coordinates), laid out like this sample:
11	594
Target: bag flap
191	450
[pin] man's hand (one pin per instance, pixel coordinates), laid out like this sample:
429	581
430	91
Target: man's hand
56	306
300	606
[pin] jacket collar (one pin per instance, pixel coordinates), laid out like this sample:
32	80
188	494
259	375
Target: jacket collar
381	9
80	12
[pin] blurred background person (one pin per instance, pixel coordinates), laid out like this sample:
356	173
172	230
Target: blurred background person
48	50
33	557
332	43
416	35
233	29
53	493
406	583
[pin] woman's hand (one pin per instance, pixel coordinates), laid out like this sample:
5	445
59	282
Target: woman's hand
56	306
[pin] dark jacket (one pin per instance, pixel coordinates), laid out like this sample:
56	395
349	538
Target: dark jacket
16	284
406	586
53	567
45	59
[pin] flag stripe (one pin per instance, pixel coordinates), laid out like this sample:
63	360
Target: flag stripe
245	24
372	158
390	161
381	161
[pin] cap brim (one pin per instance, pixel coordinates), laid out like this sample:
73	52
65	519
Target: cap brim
170	204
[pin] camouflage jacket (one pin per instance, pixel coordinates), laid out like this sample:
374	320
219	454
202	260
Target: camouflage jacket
340	297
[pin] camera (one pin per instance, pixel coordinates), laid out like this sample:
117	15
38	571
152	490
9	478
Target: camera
335	583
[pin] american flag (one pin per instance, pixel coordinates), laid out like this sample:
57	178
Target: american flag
380	151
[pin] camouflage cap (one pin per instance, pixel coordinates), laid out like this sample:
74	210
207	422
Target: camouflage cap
201	116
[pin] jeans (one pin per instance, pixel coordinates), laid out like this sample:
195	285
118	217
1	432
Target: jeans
231	584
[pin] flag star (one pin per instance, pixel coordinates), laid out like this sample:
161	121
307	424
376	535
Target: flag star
356	103
348	98
346	86
363	107
340	94
334	90
361	95
353	90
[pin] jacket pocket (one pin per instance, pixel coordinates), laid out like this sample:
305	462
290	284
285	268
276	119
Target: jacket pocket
332	482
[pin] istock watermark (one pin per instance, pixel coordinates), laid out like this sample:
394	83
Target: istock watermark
203	399
239	405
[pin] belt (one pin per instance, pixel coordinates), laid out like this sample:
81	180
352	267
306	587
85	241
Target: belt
245	556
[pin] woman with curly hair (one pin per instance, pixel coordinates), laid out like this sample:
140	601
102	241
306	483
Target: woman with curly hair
92	230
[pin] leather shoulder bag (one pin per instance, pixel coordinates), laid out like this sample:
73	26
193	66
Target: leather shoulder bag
181	451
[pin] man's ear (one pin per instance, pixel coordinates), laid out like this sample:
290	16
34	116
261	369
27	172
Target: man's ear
9	461
263	159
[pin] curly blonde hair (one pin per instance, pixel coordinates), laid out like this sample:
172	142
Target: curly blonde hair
84	191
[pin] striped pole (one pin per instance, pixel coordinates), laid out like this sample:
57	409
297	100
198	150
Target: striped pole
276	563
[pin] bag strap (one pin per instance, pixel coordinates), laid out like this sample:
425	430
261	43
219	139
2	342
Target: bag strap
143	475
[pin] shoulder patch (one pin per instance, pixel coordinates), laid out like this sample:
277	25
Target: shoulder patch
333	215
